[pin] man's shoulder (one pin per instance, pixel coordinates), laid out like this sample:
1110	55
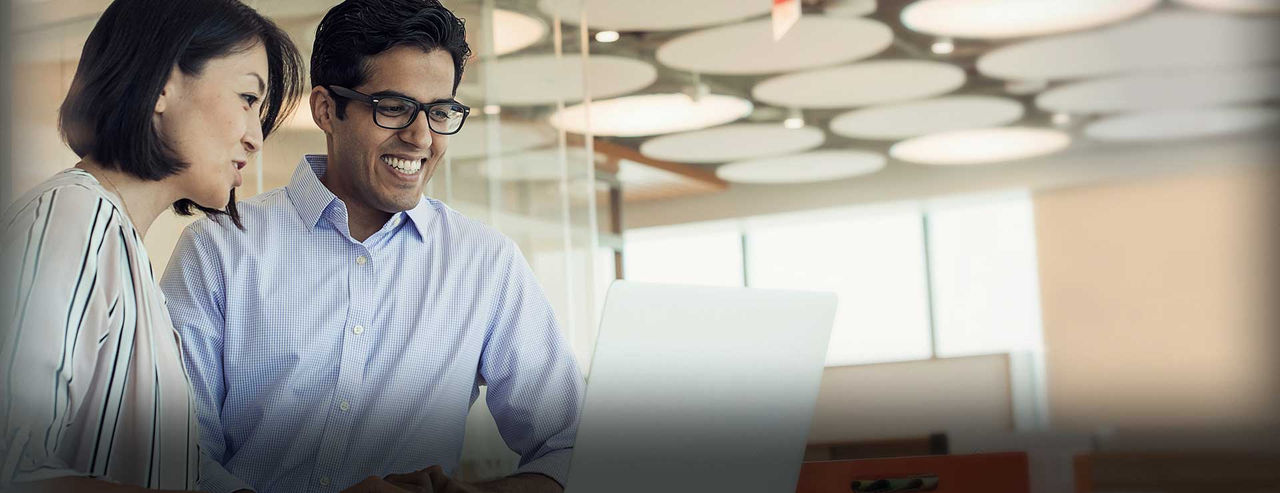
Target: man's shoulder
474	233
260	213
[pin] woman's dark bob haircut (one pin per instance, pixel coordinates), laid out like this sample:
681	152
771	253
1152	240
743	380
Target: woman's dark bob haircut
129	57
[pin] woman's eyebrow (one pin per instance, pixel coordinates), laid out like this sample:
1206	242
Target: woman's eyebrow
262	85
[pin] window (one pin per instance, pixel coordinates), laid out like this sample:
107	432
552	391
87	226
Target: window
875	265
952	278
683	255
982	259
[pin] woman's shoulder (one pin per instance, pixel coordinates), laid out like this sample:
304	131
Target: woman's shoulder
66	199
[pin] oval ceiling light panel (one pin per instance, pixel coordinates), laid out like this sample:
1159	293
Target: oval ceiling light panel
538	165
652	15
514	31
733	143
849	8
915	118
651	114
749	48
512	136
1003	19
1159	91
1236	6
810	167
860	84
1163	40
980	146
1187	123
526	80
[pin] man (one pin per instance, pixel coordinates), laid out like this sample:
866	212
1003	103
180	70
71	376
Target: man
344	332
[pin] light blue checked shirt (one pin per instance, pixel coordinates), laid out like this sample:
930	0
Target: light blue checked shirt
317	360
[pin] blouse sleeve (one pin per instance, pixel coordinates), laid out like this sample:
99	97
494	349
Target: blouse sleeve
56	306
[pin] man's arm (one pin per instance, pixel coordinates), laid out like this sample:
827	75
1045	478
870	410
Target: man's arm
194	287
522	483
535	387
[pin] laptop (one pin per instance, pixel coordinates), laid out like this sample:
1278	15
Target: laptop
700	389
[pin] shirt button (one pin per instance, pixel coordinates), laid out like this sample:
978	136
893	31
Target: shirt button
362	259
395	221
344	405
324	481
357	330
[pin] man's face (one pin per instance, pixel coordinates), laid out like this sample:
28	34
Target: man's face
384	169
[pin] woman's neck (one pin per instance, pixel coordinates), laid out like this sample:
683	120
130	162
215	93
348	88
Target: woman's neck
143	200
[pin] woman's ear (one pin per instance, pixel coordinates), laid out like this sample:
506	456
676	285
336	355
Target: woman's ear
169	91
322	109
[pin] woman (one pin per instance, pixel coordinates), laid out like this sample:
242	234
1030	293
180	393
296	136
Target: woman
170	101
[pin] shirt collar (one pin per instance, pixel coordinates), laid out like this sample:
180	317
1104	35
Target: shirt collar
311	198
421	216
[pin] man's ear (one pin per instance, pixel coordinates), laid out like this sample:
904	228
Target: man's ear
323	110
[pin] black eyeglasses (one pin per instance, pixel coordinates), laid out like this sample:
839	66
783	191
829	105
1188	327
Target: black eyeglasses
396	112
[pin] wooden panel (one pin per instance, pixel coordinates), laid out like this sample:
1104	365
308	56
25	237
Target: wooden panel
986	473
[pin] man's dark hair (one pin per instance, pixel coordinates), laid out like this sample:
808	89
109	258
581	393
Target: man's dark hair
355	30
129	57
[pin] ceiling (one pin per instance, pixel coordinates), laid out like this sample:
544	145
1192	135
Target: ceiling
863	91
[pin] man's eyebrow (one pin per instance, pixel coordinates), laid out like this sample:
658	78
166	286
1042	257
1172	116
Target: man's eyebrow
406	96
262	85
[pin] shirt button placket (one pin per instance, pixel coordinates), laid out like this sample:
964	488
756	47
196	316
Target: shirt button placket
350	368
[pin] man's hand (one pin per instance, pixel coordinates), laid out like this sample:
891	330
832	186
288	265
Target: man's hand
431	480
434	480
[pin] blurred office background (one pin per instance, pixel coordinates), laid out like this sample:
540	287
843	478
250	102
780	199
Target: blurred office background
1052	224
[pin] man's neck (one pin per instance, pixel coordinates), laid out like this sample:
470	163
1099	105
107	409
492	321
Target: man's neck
363	222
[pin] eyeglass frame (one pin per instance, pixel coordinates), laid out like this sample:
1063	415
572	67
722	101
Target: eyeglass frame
372	101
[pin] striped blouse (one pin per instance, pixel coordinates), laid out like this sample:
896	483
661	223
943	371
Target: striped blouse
93	382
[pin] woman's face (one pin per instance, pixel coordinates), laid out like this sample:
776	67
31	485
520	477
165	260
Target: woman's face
211	121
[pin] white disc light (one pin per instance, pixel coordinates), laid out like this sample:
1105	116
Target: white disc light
652	15
860	84
473	141
809	167
850	8
915	118
651	114
980	146
536	165
545	79
1157	91
749	48
1003	19
1188	123
1164	40
1236	6
732	143
513	31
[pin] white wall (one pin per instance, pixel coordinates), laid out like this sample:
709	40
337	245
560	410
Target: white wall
913	399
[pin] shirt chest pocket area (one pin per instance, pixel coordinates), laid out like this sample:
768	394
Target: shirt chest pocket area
283	347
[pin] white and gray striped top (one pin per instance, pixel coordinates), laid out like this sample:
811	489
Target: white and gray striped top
93	382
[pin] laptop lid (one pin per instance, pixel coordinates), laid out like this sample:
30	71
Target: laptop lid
700	389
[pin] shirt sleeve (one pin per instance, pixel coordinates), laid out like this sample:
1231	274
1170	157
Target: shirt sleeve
535	387
57	289
194	287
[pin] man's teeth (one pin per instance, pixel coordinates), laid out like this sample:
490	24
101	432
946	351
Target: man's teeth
403	165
